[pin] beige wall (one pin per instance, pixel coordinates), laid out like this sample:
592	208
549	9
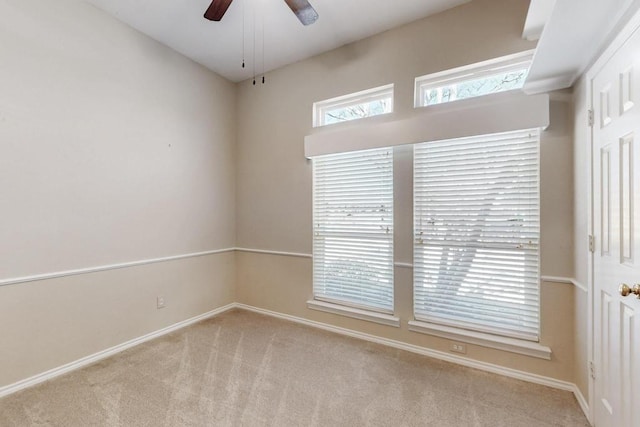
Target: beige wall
49	323
114	149
556	190
117	149
283	284
274	179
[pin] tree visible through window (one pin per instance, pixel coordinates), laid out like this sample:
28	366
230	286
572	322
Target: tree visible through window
367	103
358	111
353	229
476	214
476	87
470	81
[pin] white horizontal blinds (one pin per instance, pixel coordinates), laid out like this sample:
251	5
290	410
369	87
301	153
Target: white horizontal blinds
476	215
353	229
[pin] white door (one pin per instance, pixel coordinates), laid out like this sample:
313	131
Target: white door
616	187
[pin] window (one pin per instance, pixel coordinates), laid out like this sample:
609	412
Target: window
357	105
353	229
493	76
476	233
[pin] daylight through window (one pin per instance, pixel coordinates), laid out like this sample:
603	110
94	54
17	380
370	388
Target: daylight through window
353	229
494	76
476	233
359	105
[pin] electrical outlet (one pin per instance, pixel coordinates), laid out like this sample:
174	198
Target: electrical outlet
160	302
459	348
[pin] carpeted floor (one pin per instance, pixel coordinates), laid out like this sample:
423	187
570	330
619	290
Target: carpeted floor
244	369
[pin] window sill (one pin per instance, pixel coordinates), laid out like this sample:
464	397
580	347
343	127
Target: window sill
356	313
512	345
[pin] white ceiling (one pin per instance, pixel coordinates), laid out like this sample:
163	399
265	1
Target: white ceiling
180	25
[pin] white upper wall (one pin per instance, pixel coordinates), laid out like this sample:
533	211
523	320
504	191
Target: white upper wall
114	148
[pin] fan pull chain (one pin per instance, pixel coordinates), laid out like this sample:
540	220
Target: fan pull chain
244	17
254	43
263	46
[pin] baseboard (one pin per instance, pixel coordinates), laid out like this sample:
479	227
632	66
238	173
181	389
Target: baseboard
483	366
582	401
80	363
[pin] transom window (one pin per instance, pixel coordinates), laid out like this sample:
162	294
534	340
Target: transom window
484	78
367	103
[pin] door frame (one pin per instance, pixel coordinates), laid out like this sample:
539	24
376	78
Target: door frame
628	24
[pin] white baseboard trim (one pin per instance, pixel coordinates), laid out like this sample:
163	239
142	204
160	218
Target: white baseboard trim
80	363
66	273
484	366
582	401
436	354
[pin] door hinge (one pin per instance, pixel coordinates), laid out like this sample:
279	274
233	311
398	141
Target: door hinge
592	370
592	243
590	113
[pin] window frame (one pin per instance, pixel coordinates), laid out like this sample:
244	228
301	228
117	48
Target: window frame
320	108
345	306
434	324
469	72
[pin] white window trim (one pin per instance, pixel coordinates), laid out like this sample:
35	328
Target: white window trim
485	68
461	322
366	181
513	345
364	96
356	313
500	112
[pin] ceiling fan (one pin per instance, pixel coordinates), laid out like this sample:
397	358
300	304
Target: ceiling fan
302	9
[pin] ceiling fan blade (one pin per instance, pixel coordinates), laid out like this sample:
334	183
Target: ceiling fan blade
217	9
303	10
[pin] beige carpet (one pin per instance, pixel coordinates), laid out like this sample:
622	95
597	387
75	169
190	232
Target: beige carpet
244	369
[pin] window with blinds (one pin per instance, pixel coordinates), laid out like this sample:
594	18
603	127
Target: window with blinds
353	229
476	225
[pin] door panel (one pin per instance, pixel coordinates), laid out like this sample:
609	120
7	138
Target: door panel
616	160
